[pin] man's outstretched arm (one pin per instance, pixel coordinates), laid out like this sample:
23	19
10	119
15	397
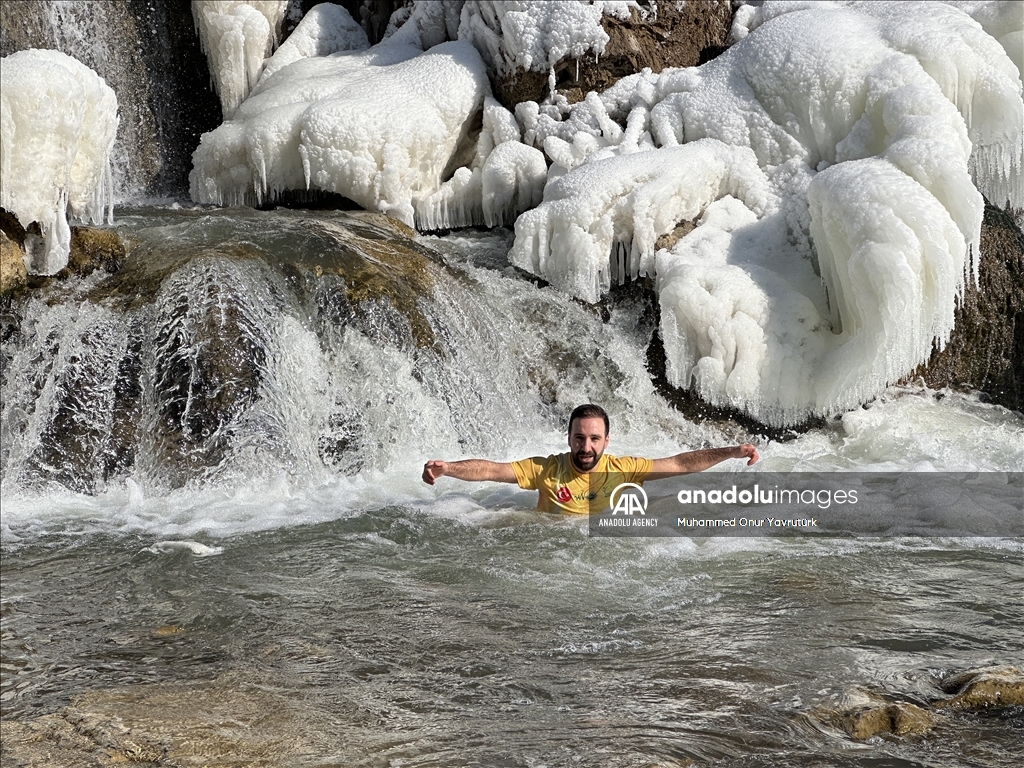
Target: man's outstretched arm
698	461
468	469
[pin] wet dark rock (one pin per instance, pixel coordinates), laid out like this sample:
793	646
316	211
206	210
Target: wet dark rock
679	35
986	349
380	266
982	689
209	359
93	248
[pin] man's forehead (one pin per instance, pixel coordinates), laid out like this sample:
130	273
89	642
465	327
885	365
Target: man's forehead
588	425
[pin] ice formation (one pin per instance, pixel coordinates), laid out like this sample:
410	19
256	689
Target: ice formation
504	179
236	36
379	127
830	155
392	134
831	159
532	35
58	121
326	29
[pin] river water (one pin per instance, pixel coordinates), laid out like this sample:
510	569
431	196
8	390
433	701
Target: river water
279	611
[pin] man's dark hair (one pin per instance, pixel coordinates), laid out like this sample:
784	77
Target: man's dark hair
588	411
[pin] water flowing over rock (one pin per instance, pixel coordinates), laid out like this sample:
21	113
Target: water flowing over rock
173	363
717	319
978	690
863	714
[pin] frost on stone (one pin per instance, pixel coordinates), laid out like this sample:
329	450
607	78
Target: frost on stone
381	127
58	121
827	159
236	36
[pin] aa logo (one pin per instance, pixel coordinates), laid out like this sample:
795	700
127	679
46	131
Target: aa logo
629	499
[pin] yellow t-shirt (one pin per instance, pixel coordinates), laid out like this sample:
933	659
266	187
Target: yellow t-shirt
566	490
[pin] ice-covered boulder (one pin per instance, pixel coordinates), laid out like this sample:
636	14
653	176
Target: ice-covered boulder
381	127
326	29
58	121
864	123
236	36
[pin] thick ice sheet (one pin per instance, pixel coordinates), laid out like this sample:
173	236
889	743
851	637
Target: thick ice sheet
58	121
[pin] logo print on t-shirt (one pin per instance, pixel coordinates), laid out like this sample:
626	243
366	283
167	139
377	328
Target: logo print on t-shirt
563	495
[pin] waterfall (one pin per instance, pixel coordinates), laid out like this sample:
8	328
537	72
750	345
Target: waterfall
149	54
237	343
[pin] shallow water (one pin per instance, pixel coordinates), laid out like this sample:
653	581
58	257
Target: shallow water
454	635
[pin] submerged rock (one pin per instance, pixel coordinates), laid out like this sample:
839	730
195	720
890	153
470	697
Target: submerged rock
181	724
863	714
981	689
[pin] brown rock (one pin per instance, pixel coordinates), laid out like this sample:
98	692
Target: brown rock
185	724
669	239
980	689
13	275
863	714
986	349
93	248
679	35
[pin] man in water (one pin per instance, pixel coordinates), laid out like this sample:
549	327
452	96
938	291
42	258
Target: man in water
570	482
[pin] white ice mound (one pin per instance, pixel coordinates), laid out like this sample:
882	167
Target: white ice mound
504	179
380	127
236	36
58	121
326	29
829	159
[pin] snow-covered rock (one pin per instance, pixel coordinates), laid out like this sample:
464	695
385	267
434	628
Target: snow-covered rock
326	29
379	127
864	123
58	121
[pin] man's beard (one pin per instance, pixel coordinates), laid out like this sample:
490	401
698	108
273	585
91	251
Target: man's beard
585	460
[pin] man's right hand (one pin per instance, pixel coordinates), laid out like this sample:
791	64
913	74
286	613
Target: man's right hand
434	469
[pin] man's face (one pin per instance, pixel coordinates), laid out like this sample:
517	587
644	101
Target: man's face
587	441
